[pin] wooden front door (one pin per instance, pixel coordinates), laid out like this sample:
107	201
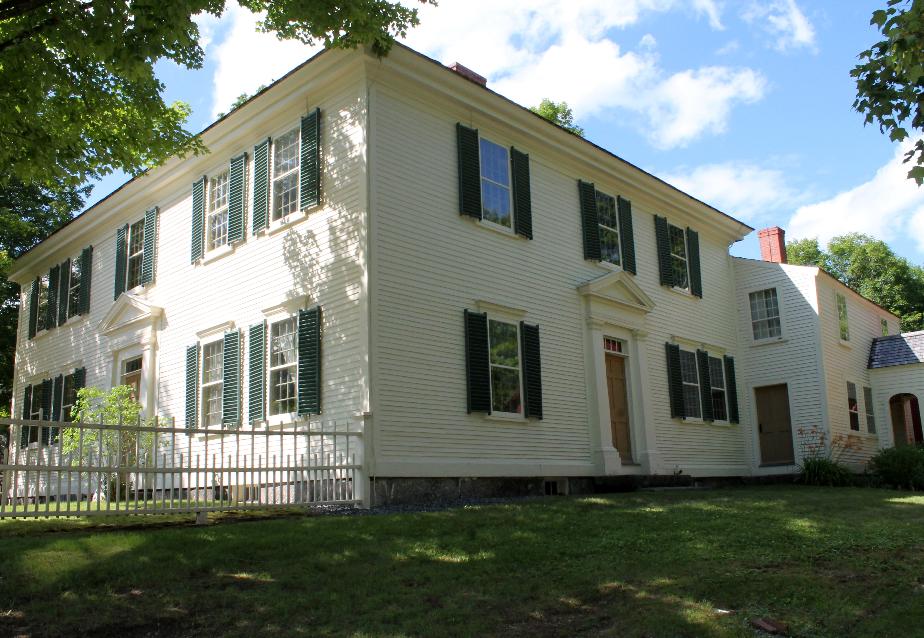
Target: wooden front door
619	405
774	425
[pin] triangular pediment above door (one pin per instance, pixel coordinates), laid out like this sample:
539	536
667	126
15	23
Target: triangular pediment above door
129	310
617	288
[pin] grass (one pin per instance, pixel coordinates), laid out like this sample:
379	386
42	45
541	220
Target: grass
827	562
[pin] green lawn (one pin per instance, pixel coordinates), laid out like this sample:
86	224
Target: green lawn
828	562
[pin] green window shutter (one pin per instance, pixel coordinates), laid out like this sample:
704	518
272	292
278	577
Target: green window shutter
198	219
26	411
57	392
522	198
309	361
705	383
86	276
51	310
626	234
231	379
532	371
121	260
237	186
80	378
469	171
64	282
696	276
192	386
731	390
590	228
256	406
149	258
675	380
310	164
260	186
33	308
663	242
477	365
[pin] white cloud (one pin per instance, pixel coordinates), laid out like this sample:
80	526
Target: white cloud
784	21
554	48
888	206
752	193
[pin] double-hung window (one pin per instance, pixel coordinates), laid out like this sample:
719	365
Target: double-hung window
212	382
504	361
868	405
608	222
35	407
717	385
42	303
853	407
842	317
495	184
765	314
286	154
135	254
73	288
217	221
680	266
691	393
283	367
68	397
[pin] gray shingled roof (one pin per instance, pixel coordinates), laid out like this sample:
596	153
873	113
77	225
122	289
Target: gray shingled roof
897	350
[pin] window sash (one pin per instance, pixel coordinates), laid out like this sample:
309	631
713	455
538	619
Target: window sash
283	367
73	288
842	317
135	254
689	372
853	407
68	397
42	304
765	314
868	405
218	189
718	390
679	262
885	327
286	169
608	223
212	382
505	368
494	169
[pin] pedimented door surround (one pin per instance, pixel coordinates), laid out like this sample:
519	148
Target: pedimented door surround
616	309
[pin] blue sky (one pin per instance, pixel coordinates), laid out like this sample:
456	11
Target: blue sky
745	104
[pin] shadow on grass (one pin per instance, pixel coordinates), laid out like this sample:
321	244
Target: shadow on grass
656	564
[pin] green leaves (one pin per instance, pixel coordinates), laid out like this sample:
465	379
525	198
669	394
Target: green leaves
890	77
558	113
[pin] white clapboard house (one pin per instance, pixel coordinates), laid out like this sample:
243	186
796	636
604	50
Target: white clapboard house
389	243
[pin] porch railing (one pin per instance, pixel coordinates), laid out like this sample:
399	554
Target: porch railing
53	469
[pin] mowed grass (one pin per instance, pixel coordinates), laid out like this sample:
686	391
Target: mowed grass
827	562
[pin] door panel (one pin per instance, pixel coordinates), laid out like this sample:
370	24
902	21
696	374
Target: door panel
774	425
619	406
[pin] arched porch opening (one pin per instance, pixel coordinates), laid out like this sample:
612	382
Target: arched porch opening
905	415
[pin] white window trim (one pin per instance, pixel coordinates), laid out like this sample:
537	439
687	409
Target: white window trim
505	230
280	313
298	213
779	308
518	416
686	257
224	170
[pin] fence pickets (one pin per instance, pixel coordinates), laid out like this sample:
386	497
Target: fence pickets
155	467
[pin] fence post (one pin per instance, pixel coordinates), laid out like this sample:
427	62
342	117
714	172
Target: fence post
361	491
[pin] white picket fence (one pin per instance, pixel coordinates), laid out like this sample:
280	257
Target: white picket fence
80	469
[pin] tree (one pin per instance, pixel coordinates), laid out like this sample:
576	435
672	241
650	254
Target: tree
78	93
241	99
871	268
890	77
28	213
557	113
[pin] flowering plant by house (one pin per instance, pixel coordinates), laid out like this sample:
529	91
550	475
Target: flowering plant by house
821	459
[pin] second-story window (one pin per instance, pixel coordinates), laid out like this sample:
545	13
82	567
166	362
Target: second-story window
843	327
212	382
608	221
217	222
285	174
42	318
679	264
765	314
73	288
885	327
495	184
135	254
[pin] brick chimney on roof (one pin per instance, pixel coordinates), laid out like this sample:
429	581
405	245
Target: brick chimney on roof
468	74
773	244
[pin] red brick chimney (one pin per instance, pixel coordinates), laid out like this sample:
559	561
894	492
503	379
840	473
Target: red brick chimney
468	74
773	244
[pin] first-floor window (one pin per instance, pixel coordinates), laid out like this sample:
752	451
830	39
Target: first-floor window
679	264
690	375
212	382
504	357
717	383
35	408
131	376
868	404
283	366
853	407
68	397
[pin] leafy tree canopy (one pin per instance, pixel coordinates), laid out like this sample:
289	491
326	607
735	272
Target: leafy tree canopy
78	94
890	77
871	268
28	213
558	113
